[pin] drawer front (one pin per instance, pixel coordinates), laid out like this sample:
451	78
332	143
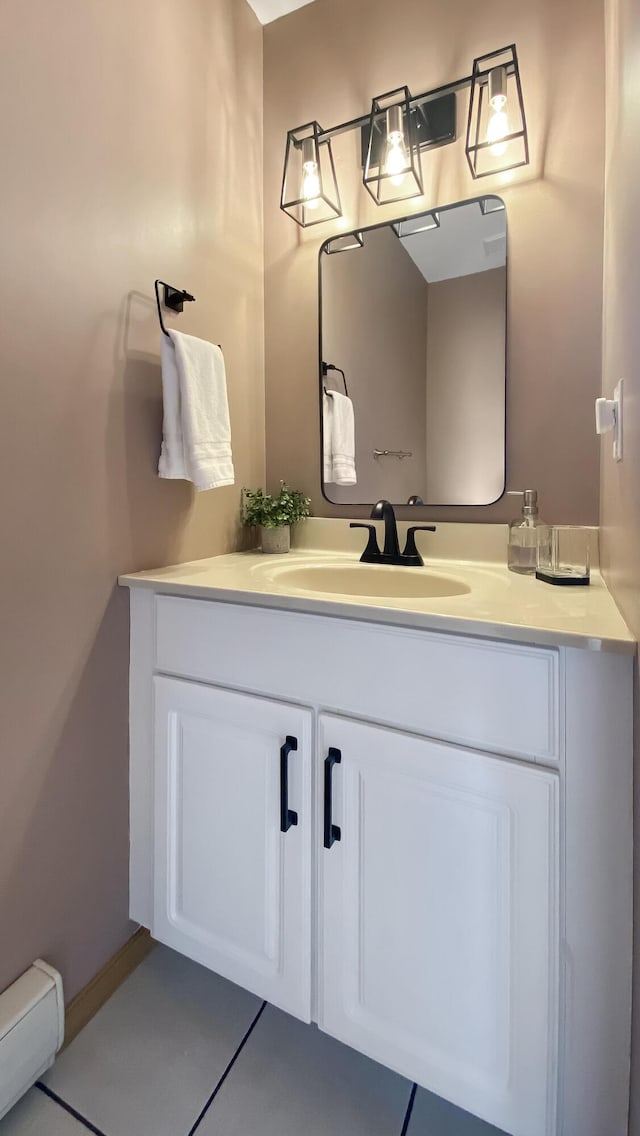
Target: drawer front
476	692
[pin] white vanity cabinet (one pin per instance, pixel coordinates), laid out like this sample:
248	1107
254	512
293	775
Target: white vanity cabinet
421	841
439	918
232	862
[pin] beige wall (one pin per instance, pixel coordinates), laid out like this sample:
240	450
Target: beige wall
465	387
374	327
620	502
326	61
131	143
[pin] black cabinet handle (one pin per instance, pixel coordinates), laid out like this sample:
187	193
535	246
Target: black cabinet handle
331	830
287	816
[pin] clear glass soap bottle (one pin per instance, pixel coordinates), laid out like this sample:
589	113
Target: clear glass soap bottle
524	534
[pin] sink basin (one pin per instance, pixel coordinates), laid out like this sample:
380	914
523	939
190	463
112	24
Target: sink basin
371	580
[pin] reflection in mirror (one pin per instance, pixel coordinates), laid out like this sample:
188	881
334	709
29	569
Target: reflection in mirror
413	332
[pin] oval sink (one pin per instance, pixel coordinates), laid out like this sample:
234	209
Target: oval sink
371	580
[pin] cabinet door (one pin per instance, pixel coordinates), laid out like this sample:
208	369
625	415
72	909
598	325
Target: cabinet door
232	873
439	918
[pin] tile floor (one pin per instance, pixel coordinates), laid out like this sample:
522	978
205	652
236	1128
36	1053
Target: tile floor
179	1051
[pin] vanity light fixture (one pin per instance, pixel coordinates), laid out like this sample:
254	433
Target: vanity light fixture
310	191
497	137
396	131
392	170
421	223
491	205
344	243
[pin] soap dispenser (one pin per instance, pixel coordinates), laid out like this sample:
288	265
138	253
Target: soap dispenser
523	534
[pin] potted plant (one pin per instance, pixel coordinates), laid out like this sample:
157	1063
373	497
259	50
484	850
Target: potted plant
274	515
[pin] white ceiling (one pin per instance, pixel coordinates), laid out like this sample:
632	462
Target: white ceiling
467	241
268	10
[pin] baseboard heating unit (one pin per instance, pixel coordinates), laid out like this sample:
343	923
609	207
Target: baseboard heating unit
31	1030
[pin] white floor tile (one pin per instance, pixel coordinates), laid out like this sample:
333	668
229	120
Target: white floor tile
433	1116
290	1079
150	1058
36	1115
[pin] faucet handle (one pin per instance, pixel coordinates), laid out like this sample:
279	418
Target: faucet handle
371	554
411	556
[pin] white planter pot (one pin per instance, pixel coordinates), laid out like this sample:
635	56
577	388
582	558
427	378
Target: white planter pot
275	540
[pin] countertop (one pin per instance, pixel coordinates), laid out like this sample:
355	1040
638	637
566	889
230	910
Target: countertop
498	605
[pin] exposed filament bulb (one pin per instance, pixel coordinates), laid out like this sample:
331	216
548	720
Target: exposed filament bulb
397	159
498	125
310	189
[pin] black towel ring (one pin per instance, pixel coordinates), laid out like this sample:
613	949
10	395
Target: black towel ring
175	299
326	367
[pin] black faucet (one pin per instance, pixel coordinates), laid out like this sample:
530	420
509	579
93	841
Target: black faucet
383	511
410	558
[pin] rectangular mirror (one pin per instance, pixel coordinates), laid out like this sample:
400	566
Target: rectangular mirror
413	333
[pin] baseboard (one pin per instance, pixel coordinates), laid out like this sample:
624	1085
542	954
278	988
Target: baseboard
88	1001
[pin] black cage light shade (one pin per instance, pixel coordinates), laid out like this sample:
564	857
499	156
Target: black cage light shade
496	130
392	170
310	191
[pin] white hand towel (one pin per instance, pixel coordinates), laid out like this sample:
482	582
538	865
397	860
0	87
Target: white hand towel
196	442
339	457
327	437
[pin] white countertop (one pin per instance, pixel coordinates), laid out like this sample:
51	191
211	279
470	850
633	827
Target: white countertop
499	604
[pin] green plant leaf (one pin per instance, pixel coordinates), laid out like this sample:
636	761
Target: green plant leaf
287	507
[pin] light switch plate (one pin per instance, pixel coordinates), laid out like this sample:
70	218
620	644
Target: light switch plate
617	430
609	418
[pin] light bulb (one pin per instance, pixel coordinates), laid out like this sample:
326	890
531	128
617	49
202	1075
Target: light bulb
498	125
396	160
310	190
310	185
497	129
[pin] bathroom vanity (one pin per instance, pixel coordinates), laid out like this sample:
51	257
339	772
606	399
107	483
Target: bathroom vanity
406	818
